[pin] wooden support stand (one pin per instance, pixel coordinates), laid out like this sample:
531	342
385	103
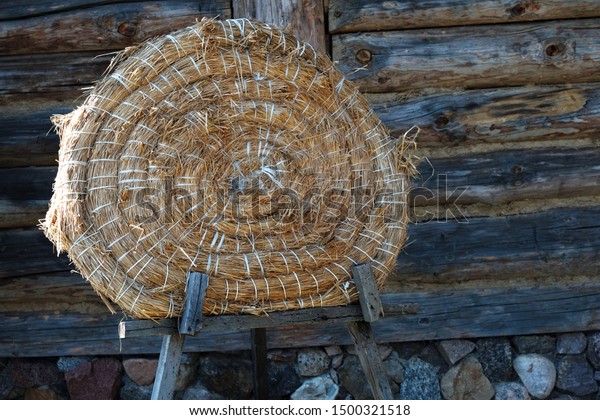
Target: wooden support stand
362	334
172	344
191	322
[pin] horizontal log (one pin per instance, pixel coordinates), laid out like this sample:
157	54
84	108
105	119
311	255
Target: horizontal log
489	178
148	328
54	292
440	315
25	8
27	137
488	250
472	57
104	27
494	250
508	115
24	195
27	252
508	176
48	73
378	15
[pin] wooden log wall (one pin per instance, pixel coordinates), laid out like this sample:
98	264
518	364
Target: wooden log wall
506	95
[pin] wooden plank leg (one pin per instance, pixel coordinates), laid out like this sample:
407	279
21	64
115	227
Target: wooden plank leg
168	367
259	362
172	344
362	334
370	360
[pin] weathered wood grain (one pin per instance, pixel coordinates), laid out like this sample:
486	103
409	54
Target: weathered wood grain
28	8
379	15
47	73
560	242
27	137
194	298
368	295
370	359
508	176
508	116
24	195
491	178
27	252
441	315
491	250
505	115
168	367
305	18
59	291
104	27
472	57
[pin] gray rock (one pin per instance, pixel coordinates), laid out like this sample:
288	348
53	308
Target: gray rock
560	396
576	375
66	363
454	350
334	376
511	391
384	350
312	362
593	349
317	388
227	375
495	355
282	378
466	381
431	355
571	343
394	368
336	361
197	391
333	350
597	375
187	370
353	379
132	391
420	381
544	345
537	373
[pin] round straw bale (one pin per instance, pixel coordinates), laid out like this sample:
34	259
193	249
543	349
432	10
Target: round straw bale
230	148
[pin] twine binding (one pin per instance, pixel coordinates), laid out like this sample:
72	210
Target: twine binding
232	148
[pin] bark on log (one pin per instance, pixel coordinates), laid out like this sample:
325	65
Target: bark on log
472	57
378	15
492	250
103	27
506	115
441	315
304	18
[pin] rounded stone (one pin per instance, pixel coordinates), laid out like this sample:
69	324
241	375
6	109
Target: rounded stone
466	381
511	391
318	388
537	373
312	362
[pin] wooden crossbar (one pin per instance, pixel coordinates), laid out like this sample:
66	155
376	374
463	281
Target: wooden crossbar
357	317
